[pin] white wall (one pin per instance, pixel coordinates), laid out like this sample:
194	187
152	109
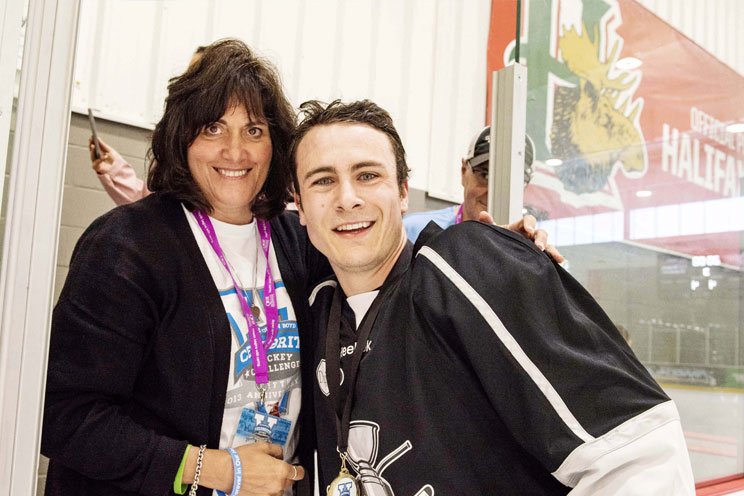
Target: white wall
423	60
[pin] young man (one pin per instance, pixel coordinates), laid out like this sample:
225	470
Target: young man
486	368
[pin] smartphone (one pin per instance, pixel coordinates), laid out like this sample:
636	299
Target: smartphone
92	122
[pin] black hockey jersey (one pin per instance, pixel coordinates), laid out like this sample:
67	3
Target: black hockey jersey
490	371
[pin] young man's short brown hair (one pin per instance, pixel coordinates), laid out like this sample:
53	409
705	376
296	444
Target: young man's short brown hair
226	74
315	113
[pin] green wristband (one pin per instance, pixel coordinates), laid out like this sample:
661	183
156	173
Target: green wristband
178	486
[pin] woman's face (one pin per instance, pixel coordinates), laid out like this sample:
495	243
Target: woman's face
230	160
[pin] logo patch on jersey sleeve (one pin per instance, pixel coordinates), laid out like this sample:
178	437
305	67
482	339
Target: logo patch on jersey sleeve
320	375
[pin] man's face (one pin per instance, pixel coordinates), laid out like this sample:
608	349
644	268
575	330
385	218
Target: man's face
475	182
349	196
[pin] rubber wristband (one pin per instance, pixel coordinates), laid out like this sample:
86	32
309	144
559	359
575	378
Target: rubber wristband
237	472
178	486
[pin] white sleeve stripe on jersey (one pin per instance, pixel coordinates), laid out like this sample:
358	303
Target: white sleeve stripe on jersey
644	455
509	342
317	288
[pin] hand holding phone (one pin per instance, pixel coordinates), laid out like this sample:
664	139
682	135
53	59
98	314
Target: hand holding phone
102	156
92	122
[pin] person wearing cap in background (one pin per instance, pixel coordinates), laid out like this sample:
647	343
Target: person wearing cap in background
474	173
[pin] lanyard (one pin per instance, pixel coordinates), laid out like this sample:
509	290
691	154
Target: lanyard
258	349
333	348
458	217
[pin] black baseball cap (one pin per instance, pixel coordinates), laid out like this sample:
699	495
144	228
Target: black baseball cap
479	147
481	144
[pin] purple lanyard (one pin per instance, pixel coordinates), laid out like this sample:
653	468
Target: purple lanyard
458	217
258	350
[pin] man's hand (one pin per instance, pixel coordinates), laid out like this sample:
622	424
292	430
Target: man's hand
526	226
103	164
264	471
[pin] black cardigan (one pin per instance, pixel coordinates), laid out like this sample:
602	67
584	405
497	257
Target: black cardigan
140	347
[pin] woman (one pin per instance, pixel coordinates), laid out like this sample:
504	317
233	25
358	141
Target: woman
151	369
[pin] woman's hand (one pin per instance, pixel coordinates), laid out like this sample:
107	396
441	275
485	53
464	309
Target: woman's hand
103	164
264	471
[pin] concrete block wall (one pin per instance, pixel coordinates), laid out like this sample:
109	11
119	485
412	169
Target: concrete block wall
84	198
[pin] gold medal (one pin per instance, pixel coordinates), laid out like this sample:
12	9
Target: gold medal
256	312
344	484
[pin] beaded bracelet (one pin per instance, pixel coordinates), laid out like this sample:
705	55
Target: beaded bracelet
237	472
199	459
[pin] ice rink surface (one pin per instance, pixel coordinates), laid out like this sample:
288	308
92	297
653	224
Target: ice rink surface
713	422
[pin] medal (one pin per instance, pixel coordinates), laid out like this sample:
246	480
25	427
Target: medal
255	311
344	484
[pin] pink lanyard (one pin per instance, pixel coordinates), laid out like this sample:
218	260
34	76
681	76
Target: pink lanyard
458	217
258	349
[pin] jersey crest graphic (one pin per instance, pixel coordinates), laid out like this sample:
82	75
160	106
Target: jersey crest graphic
364	443
320	375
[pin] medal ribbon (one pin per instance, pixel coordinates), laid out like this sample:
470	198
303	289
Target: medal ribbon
458	217
258	349
333	347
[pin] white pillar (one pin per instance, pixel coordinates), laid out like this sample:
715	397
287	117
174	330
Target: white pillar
31	235
506	158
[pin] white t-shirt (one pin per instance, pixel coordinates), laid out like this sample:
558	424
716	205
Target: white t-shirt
360	303
241	247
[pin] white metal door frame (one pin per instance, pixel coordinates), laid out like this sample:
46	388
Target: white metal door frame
31	235
11	16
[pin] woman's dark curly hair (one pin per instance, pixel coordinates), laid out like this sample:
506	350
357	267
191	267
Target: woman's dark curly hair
227	74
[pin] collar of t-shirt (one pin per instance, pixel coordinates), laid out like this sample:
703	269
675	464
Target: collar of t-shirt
360	303
226	230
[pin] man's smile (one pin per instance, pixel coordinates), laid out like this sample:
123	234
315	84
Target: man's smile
353	227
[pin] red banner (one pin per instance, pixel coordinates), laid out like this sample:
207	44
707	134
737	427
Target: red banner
635	114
